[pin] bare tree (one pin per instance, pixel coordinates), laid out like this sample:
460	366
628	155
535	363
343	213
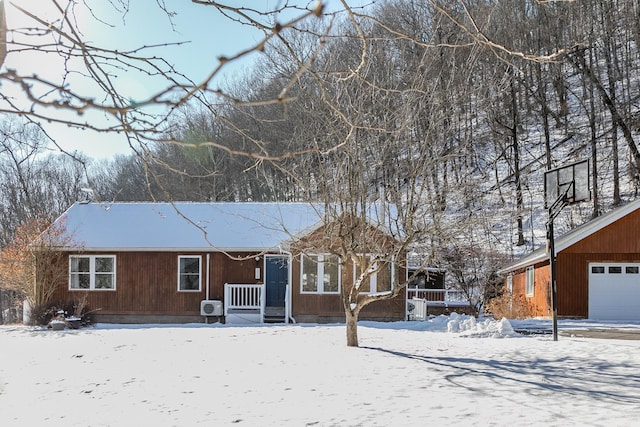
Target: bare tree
32	182
379	134
30	265
58	31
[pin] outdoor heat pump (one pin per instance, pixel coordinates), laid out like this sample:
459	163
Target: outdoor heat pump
211	308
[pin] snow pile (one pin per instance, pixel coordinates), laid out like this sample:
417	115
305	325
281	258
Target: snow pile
465	325
488	328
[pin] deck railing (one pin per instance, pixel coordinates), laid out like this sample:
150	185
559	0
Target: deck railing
244	297
438	297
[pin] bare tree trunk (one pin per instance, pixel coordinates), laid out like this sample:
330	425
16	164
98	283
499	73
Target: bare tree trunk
516	164
352	328
1	306
594	155
610	50
616	166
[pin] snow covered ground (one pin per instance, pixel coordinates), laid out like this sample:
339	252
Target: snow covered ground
446	371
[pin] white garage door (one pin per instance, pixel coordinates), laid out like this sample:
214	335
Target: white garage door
614	291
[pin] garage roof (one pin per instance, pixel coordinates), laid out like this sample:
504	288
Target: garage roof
574	236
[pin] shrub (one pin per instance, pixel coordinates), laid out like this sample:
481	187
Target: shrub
510	306
42	314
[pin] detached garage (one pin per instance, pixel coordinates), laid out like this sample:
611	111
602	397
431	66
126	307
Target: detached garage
597	270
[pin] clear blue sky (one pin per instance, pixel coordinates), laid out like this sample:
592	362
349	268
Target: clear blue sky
209	34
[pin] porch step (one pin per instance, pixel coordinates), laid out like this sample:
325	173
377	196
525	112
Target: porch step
274	315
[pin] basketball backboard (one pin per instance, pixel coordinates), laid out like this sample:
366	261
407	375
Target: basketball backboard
570	182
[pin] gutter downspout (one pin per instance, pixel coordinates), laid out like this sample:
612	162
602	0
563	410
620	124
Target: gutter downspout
287	307
206	296
208	274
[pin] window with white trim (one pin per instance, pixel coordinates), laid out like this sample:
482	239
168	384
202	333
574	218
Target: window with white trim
510	283
320	274
92	272
529	281
189	273
381	280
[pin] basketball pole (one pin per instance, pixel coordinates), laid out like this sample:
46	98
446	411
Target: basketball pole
554	210
569	184
552	261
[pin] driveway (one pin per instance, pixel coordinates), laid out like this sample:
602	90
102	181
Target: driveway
612	334
581	328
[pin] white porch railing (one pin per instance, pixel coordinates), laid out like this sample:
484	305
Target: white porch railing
244	299
439	297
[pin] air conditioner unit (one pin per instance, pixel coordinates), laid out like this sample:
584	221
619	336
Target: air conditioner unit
211	308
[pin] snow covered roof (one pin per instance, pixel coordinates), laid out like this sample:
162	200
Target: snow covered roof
182	226
574	236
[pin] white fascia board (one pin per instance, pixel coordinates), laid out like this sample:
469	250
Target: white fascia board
176	249
533	258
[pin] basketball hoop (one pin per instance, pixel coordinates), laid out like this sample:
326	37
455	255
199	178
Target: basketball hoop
569	183
563	186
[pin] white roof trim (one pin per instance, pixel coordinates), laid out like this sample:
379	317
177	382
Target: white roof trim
209	249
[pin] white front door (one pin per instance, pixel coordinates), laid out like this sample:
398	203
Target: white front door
614	291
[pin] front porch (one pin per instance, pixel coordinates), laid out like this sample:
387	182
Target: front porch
246	304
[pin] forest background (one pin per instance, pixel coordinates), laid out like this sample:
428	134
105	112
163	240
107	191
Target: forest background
487	94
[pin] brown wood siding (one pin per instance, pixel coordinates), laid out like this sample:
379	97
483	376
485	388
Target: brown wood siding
240	268
623	236
330	305
539	304
147	283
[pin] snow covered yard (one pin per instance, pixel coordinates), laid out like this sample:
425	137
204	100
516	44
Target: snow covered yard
450	370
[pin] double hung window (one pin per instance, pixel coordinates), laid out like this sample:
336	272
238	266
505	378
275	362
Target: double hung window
529	281
189	273
92	272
